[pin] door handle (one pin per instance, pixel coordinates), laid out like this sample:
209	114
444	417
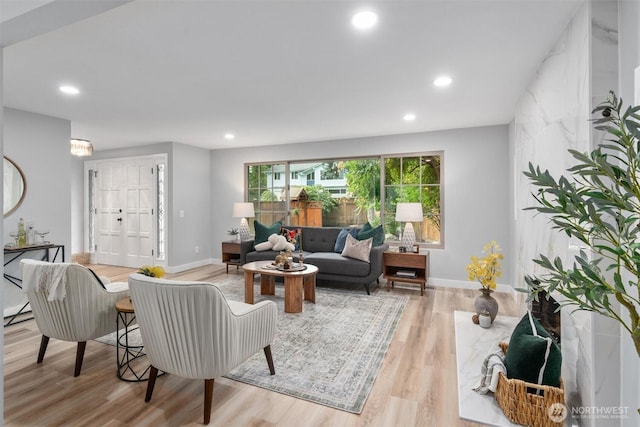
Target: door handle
119	219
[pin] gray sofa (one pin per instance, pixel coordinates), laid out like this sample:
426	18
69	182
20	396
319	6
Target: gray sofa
318	249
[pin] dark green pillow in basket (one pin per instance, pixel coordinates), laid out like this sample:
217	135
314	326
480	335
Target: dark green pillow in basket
533	356
263	232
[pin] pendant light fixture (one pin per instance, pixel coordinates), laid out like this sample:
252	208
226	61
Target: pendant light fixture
81	147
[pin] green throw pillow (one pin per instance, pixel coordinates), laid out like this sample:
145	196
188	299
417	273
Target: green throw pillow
263	232
533	356
366	227
367	231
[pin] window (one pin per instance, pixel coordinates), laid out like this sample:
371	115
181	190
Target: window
414	178
161	203
92	209
267	195
350	192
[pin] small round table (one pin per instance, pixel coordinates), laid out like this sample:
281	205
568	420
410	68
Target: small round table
128	352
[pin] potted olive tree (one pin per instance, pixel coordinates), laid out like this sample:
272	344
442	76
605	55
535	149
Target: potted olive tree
598	204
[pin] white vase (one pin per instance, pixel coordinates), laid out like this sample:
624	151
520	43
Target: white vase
484	320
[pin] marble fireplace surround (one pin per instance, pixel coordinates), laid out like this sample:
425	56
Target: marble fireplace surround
553	116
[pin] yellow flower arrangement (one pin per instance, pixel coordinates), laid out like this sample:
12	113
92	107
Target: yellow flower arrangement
155	271
486	270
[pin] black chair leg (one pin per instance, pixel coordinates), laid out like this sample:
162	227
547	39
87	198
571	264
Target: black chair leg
208	400
79	356
43	348
153	374
267	353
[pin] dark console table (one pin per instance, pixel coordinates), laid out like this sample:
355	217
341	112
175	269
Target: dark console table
51	253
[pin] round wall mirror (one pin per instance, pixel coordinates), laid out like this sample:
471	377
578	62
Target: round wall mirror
15	186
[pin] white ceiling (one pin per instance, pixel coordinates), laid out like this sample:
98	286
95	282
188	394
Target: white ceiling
276	72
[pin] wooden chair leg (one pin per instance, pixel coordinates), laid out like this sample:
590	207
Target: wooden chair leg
208	400
153	374
267	353
79	356
43	348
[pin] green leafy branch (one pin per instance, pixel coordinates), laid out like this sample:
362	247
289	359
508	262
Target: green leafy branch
599	206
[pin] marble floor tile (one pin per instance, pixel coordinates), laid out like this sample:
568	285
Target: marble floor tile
473	343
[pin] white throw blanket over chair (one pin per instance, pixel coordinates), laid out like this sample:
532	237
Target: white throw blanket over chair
70	303
190	329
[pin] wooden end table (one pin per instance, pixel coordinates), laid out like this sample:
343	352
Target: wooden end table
231	253
406	267
295	283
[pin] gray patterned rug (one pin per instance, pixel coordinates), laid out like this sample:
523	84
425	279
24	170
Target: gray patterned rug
331	352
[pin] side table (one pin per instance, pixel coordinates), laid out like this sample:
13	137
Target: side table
231	253
14	254
129	353
406	267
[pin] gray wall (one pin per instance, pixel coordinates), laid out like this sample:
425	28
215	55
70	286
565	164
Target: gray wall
2	293
191	192
475	177
77	205
39	145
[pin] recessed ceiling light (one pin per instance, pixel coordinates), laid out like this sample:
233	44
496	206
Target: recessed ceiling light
364	20
409	117
69	90
442	81
229	136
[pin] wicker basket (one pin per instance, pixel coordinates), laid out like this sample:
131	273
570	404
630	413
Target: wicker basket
526	408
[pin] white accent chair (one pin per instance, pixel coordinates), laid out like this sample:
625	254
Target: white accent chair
87	310
190	329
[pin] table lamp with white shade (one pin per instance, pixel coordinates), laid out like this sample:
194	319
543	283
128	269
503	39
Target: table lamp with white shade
243	210
408	213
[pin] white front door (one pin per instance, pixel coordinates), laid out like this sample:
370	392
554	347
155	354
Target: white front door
139	212
125	212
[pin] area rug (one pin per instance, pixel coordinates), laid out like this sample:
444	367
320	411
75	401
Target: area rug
330	353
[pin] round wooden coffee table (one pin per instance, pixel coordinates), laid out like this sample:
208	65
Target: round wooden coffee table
295	284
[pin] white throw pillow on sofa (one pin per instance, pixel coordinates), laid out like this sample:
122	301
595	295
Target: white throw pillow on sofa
358	249
264	246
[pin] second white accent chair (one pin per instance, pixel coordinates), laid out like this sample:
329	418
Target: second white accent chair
190	329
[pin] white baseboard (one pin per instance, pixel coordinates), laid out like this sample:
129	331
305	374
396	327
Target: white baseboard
433	281
195	264
10	311
463	284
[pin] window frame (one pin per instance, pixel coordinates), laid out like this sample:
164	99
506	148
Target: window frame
383	211
440	185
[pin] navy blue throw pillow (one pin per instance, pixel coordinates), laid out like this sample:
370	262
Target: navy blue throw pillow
342	239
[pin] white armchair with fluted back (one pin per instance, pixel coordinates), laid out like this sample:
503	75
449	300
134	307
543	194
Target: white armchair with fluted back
70	303
191	330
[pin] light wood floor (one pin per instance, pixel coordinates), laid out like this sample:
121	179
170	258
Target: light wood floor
416	385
